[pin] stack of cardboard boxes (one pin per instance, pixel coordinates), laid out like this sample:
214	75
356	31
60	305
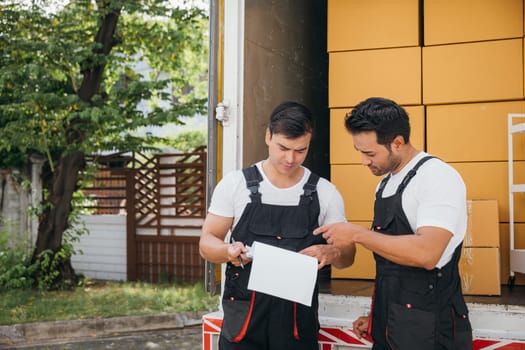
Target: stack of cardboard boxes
457	68
373	51
479	265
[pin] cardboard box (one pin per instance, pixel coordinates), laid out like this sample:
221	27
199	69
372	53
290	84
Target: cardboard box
479	269
489	180
452	21
459	132
342	149
482	224
524	67
357	186
357	24
519	243
364	266
473	72
392	73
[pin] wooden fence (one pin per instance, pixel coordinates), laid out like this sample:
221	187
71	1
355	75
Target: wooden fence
163	196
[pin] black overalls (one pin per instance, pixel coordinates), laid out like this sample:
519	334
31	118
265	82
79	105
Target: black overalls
414	308
256	321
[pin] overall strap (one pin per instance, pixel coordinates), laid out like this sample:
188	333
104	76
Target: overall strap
253	177
382	185
411	174
406	179
309	188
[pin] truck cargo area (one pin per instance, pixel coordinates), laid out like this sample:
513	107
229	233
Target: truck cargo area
498	321
269	51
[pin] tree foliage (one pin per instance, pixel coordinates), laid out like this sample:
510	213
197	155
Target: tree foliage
45	59
188	141
73	83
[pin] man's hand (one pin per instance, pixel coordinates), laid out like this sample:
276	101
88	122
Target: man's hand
360	327
237	254
325	254
339	234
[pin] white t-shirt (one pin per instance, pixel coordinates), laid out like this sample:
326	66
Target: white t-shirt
436	196
231	196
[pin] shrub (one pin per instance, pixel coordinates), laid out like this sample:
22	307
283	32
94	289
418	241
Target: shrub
19	271
16	270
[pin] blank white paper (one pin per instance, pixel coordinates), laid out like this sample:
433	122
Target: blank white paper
283	273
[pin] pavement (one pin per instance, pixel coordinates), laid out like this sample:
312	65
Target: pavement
166	331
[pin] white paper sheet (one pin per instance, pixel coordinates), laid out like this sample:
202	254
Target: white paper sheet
283	273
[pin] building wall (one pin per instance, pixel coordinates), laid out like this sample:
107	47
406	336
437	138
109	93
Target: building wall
103	249
14	209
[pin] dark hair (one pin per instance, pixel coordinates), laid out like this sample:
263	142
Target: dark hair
291	119
381	115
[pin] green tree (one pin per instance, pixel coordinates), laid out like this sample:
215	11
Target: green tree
70	87
188	141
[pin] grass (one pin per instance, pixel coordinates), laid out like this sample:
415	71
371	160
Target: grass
101	299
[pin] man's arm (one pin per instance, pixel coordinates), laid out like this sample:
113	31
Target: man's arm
422	249
211	244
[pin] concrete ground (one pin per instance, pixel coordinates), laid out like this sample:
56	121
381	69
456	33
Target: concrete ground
188	338
172	331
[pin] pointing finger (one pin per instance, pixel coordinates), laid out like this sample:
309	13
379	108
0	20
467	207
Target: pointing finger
319	230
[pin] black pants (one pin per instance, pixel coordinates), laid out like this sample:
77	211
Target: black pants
277	324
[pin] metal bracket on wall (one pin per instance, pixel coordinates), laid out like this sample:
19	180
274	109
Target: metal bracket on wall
222	112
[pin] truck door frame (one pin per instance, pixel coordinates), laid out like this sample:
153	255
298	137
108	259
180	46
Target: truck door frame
225	91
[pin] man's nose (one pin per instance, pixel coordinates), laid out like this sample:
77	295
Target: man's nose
365	160
290	157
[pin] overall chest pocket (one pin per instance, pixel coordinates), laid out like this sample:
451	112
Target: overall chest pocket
384	224
286	227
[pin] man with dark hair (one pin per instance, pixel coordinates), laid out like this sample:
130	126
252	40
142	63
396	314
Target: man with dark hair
420	221
276	201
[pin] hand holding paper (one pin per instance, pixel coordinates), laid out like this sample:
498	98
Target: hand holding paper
283	273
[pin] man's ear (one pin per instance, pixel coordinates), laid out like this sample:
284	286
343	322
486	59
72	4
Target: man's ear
398	142
267	137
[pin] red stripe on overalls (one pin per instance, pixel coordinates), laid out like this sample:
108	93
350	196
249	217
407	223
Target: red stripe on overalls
295	330
244	328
